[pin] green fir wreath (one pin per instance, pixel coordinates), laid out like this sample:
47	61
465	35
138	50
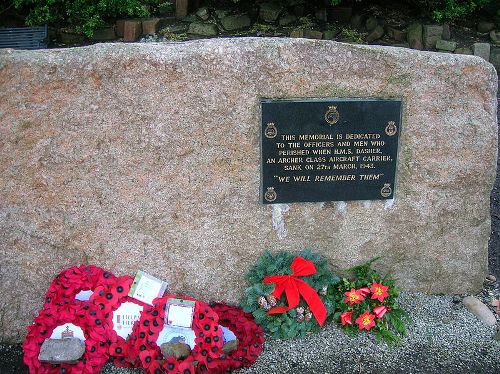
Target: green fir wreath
294	320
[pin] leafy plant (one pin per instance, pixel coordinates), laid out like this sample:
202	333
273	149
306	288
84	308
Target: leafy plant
368	302
85	15
449	10
351	35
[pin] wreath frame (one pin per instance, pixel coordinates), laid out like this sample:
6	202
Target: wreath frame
288	324
84	315
69	282
208	341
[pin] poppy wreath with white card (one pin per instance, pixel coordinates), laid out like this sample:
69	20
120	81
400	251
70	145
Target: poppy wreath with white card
204	337
76	283
121	312
81	320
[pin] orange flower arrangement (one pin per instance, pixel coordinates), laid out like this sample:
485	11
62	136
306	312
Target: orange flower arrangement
370	302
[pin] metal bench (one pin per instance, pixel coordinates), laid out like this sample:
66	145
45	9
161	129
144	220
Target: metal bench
24	37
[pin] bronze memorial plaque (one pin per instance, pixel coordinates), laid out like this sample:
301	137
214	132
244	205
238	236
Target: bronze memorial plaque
316	150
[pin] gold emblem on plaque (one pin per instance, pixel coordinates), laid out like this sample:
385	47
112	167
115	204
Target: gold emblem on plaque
391	128
332	115
270	194
386	190
270	131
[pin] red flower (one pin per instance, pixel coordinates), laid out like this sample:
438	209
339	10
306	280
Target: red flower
171	365
353	297
146	358
380	310
365	291
345	318
366	321
379	291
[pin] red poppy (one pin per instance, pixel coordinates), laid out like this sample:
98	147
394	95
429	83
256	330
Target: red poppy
345	318
380	310
379	291
366	321
353	297
171	365
146	358
187	365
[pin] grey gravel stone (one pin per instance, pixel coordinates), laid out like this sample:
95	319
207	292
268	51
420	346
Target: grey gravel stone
485	27
463	51
414	36
269	12
481	311
204	29
178	350
495	36
431	34
203	13
61	351
377	33
482	50
236	22
446	45
495	57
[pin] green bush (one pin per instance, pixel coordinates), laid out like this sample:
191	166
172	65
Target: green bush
85	15
449	10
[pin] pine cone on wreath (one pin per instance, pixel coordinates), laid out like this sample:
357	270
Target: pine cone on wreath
261	300
272	301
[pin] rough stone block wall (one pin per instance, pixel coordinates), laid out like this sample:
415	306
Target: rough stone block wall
146	156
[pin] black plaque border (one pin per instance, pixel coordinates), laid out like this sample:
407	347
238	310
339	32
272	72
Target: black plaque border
331	100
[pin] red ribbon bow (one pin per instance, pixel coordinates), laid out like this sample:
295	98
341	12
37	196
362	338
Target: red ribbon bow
295	287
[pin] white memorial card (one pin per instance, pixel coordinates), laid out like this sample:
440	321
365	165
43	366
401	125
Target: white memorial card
124	318
180	312
146	288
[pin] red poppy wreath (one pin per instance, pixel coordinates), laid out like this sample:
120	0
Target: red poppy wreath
206	342
249	335
120	312
83	316
71	284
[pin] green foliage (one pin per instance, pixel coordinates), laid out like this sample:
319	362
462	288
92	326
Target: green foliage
449	10
351	35
391	326
286	325
85	15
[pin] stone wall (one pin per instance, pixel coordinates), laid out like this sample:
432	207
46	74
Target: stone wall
147	157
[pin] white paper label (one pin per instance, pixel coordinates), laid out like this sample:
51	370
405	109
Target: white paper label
124	318
146	288
68	330
180	315
84	295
